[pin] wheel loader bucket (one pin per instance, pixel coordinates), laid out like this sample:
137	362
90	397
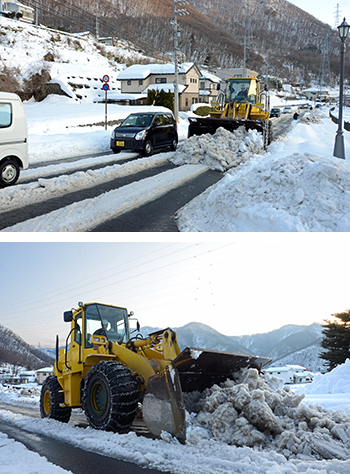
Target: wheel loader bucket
193	369
163	407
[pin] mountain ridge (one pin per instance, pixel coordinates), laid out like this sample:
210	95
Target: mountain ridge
282	39
284	345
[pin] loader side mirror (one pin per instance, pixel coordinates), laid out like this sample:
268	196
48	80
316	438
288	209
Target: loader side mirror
68	316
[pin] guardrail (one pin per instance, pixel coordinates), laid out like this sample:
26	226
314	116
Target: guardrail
336	120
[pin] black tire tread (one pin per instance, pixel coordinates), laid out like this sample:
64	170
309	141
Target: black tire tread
123	394
57	412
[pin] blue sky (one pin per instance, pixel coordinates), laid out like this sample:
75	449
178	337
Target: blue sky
324	9
243	284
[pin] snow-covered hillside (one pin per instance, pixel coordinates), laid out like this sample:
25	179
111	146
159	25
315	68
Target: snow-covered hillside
77	64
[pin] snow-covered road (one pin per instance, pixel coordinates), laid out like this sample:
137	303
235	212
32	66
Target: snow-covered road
314	439
106	206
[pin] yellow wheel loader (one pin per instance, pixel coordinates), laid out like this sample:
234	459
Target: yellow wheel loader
242	108
107	373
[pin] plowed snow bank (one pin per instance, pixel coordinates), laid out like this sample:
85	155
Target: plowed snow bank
251	412
222	151
299	193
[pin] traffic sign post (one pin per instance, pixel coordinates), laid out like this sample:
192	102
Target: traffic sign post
105	87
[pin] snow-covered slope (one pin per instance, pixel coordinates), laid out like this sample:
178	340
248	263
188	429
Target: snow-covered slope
76	64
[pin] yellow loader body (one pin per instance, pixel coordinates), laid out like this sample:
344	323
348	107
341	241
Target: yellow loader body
242	108
107	373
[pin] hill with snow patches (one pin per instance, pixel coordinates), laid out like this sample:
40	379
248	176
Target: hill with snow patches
75	64
291	344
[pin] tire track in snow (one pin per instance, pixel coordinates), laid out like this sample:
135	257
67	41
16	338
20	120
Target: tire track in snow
12	198
87	214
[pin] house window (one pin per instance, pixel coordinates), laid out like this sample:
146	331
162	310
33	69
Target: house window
186	102
160	80
129	83
141	82
194	100
202	85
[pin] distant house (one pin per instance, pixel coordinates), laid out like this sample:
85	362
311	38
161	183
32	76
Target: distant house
27	376
23	12
138	79
42	374
314	93
209	87
291	374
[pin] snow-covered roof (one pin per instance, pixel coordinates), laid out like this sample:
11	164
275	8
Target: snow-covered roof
45	369
315	89
211	77
285	368
169	87
139	71
201	92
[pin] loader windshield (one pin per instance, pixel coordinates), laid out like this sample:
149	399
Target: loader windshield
241	90
109	321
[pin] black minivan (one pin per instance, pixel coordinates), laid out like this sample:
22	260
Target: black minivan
144	132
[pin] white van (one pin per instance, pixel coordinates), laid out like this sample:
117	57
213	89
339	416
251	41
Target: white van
13	138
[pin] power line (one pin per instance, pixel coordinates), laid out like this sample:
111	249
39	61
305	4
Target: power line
56	294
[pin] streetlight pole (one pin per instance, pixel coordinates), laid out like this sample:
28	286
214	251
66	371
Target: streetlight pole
176	50
339	148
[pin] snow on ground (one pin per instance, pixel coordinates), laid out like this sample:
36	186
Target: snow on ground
60	127
228	434
16	459
111	205
297	186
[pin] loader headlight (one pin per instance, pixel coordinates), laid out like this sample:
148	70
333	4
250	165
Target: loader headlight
140	135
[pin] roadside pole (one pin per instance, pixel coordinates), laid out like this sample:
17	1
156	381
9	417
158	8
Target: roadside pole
105	87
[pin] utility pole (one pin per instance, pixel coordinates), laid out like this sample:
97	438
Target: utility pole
247	37
337	15
176	51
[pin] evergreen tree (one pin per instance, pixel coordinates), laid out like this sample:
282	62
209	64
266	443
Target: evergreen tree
336	340
155	97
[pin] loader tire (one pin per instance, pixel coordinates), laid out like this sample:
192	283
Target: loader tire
110	396
51	399
267	134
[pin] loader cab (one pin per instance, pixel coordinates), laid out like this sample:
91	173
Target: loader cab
108	321
242	90
96	319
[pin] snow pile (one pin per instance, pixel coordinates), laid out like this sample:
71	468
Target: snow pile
302	192
23	394
248	412
312	117
336	381
222	151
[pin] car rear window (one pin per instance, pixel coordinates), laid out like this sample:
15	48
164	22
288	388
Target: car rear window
5	115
